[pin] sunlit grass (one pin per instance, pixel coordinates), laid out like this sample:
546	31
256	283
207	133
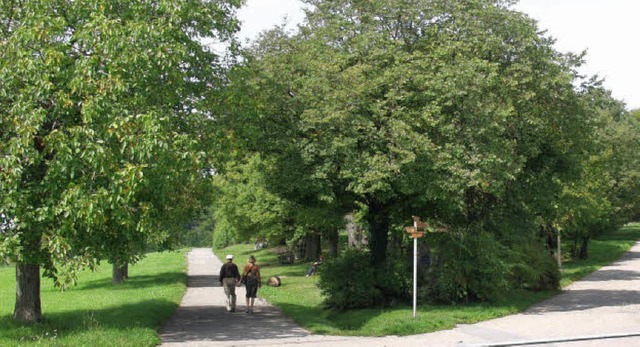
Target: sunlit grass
300	298
603	251
97	313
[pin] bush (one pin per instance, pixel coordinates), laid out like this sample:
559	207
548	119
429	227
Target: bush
349	281
469	268
534	268
394	278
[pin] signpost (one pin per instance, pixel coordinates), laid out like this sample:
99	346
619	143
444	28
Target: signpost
415	234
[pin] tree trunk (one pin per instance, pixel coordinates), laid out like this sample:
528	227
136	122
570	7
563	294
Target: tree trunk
119	273
28	307
352	230
312	249
332	239
551	235
584	248
378	219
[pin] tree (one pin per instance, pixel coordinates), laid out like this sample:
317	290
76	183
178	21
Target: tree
460	112
402	105
247	205
104	108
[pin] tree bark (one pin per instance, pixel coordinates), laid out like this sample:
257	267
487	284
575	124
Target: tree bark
312	249
119	273
332	239
584	248
354	232
378	218
28	307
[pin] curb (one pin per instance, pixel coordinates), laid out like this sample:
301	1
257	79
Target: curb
556	340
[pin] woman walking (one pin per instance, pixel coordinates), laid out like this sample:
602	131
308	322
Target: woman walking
251	273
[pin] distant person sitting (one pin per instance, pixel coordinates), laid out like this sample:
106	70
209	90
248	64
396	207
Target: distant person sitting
314	267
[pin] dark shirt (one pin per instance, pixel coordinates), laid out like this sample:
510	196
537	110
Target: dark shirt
229	270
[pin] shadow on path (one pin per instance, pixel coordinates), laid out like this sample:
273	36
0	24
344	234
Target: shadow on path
579	300
203	281
202	317
214	324
612	274
603	304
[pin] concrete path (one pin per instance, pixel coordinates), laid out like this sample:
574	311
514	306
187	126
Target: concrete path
601	310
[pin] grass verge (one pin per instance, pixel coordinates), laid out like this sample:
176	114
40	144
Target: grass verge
300	299
602	251
97	313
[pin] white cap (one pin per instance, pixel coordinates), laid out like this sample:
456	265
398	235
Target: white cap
229	256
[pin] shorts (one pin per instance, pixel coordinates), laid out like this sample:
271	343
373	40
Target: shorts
252	288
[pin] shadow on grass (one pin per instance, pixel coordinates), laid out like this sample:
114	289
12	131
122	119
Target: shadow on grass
142	281
145	314
290	271
352	320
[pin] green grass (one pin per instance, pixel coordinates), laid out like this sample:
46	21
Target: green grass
97	313
300	299
603	251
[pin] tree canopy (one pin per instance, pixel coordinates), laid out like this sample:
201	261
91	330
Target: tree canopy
461	112
105	109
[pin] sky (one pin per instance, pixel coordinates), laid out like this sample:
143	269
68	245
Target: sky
606	29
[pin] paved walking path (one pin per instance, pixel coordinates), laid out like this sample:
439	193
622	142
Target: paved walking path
601	310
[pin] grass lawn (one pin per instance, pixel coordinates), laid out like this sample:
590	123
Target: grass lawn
300	298
602	251
97	313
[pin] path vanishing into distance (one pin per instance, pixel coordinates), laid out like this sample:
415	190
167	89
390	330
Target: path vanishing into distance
603	309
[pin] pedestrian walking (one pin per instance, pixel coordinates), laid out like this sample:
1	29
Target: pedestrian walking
229	276
251	274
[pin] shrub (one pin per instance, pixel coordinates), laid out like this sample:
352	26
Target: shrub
394	278
470	267
533	267
349	281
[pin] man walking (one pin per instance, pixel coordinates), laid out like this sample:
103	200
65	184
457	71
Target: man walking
229	276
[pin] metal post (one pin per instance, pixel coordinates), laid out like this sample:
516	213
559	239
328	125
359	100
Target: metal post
415	234
415	268
559	255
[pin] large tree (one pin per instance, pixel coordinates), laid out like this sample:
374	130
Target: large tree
104	109
427	107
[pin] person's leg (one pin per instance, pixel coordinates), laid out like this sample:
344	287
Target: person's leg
226	293
252	288
232	296
248	299
252	300
230	292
